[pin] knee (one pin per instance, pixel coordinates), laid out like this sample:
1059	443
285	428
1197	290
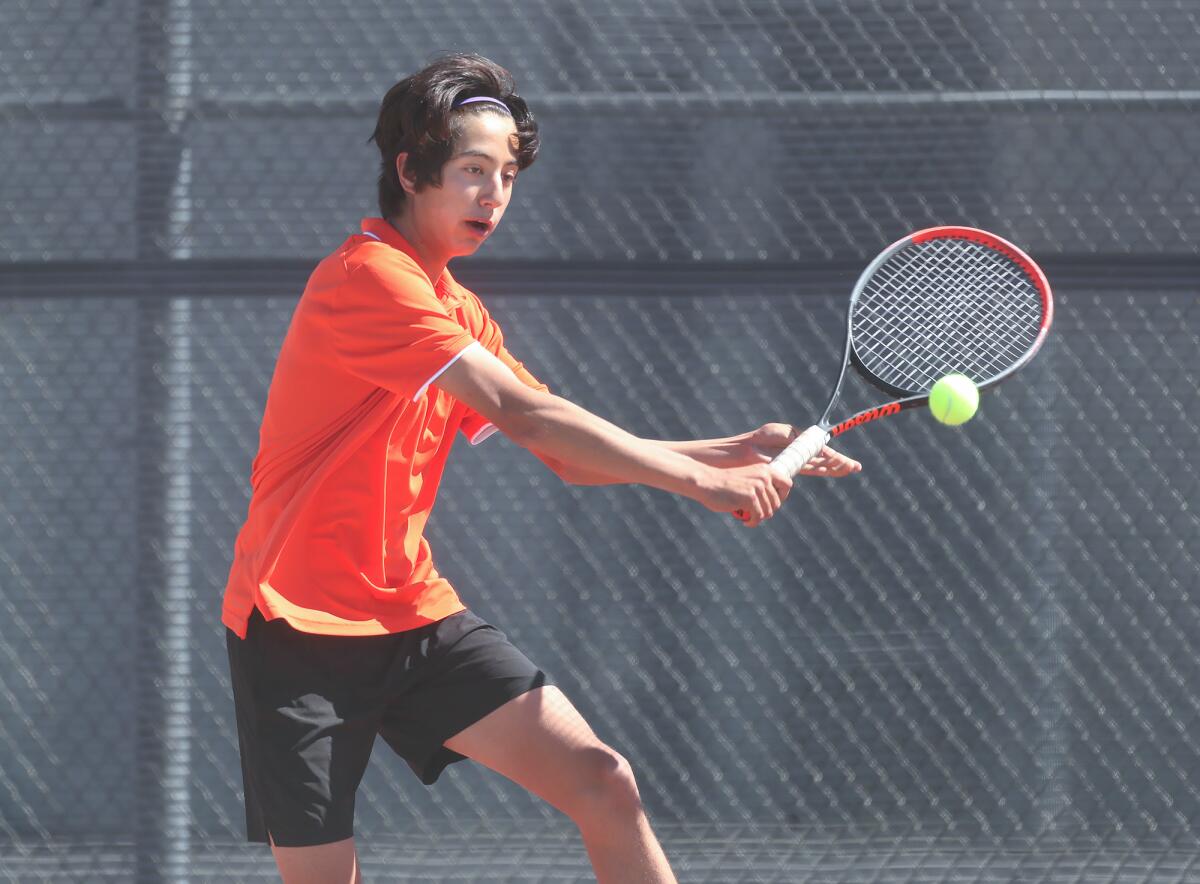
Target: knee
605	786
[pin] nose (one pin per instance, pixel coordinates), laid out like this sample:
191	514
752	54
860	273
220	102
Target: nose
491	195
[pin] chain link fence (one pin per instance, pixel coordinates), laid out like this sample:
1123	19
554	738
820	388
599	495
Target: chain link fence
973	662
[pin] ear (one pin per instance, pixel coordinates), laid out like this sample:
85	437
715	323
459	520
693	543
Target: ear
407	181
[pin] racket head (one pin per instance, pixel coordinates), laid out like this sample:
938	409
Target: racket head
942	300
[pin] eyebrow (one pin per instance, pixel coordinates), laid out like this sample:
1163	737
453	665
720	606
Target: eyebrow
471	152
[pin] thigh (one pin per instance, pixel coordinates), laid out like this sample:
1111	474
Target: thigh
541	742
468	669
305	734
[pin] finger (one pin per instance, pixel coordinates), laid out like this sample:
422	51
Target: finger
771	502
833	465
752	518
830	472
837	458
841	461
761	517
771	499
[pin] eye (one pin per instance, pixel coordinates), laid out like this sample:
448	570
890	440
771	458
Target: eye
475	170
510	177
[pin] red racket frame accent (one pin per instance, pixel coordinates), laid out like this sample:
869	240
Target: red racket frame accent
802	447
864	417
1009	250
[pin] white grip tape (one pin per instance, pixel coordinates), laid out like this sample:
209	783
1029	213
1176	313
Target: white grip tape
803	448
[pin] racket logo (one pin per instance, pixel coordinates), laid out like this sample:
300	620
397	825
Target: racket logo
873	414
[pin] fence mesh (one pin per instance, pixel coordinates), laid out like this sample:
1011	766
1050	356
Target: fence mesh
673	130
973	662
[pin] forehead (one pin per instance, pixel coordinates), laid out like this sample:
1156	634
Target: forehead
489	133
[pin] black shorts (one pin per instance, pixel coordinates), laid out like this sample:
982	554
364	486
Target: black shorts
309	706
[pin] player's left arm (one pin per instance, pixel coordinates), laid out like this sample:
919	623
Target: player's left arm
762	446
756	446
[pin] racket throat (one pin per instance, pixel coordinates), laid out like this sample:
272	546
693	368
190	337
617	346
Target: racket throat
864	417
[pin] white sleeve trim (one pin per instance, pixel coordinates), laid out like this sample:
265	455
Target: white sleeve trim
484	432
438	373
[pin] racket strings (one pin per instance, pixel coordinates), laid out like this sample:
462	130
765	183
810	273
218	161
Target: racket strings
941	306
984	332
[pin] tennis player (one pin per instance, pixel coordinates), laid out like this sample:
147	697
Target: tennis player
339	627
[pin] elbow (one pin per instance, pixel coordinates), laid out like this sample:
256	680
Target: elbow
523	423
519	429
557	467
564	476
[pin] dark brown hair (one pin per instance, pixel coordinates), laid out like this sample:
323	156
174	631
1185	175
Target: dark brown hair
418	117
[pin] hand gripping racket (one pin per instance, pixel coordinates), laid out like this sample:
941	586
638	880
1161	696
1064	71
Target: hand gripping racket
947	299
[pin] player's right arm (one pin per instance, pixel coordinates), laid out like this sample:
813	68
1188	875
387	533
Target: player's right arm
553	426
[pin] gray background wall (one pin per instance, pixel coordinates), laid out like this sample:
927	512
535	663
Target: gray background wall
975	661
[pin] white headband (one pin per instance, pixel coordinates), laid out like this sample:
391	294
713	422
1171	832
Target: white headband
495	101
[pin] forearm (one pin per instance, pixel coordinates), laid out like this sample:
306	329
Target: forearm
732	451
590	450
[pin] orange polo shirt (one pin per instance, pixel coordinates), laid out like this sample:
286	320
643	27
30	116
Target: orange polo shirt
353	442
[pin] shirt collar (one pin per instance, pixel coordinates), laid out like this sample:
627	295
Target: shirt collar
378	228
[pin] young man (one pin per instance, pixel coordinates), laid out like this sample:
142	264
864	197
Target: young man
339	627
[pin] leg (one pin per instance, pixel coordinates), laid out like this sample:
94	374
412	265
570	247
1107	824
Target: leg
335	863
305	738
541	742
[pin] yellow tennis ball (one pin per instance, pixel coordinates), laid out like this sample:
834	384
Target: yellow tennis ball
954	399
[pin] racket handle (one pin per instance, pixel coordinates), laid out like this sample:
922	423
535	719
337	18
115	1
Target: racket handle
803	448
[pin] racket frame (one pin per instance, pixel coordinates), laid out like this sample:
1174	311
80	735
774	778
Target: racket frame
912	399
810	442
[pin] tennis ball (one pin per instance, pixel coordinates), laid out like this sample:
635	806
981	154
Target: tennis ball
954	399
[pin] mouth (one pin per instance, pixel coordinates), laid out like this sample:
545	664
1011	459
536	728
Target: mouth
483	228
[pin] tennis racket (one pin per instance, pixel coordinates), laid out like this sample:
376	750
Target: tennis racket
947	299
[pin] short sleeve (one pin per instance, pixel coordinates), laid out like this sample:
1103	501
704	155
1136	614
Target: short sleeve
390	329
474	425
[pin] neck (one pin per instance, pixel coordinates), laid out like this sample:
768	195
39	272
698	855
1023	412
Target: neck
427	257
